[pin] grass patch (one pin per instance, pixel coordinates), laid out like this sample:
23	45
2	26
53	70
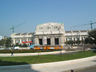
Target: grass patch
43	58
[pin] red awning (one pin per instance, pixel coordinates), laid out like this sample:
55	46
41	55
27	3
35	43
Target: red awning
27	42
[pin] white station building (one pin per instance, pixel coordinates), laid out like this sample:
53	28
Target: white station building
49	34
76	35
1	37
20	38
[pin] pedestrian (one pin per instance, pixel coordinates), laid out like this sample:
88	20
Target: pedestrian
11	52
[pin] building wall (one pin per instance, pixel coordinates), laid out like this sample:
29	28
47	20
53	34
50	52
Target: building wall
1	37
76	35
51	37
22	37
69	35
52	31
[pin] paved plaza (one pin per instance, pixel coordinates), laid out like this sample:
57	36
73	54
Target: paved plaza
61	66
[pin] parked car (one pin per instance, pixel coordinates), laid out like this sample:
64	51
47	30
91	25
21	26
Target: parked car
93	49
5	48
2	48
16	48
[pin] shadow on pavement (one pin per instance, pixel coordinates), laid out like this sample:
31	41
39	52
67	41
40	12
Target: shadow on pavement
8	66
94	60
8	63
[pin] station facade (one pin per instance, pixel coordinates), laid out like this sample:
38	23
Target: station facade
50	34
22	38
76	35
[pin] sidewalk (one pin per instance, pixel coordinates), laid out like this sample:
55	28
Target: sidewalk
34	54
53	66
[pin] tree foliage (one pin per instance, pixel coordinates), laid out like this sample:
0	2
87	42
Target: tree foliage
91	37
6	42
70	42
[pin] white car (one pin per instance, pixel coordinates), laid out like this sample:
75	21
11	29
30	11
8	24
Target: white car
16	48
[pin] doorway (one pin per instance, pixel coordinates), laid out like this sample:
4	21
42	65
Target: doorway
56	41
40	42
48	41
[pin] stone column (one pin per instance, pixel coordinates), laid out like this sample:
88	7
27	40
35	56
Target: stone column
61	40
52	41
14	42
44	40
20	41
36	40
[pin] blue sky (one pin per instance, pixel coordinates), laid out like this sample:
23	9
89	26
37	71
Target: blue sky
30	13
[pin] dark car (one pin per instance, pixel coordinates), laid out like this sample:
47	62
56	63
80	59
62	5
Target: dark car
93	49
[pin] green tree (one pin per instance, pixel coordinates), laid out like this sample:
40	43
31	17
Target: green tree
17	44
2	42
6	42
70	42
91	37
24	45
